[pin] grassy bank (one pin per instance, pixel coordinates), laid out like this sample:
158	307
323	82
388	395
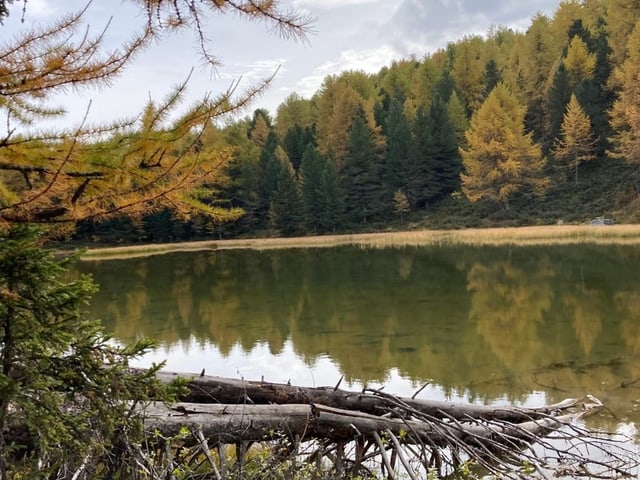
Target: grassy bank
544	235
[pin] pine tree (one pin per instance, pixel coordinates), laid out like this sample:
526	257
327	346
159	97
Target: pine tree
577	144
420	168
396	160
268	168
434	159
260	127
491	77
295	142
62	381
312	171
333	216
285	209
361	174
457	117
443	152
500	159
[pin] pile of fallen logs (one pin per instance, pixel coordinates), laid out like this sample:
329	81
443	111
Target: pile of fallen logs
358	433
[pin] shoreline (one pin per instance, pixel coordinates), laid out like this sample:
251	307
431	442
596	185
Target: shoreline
515	236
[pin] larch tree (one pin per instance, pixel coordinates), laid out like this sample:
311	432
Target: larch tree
468	70
63	383
576	144
61	176
625	115
622	16
537	56
500	159
295	110
579	62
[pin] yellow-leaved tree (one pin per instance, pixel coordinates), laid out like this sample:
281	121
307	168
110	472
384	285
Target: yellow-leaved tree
133	166
577	144
625	115
500	159
68	400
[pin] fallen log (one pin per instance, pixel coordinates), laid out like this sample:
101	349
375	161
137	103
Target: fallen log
497	446
212	389
497	438
238	423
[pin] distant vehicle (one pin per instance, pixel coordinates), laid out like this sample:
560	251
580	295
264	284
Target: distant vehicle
601	221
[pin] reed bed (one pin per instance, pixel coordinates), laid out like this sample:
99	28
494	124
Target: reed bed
512	236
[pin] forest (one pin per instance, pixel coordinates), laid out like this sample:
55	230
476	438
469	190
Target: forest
509	128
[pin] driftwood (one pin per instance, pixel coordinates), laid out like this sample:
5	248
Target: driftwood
211	389
399	434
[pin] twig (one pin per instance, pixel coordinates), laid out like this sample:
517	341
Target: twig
207	453
403	460
383	455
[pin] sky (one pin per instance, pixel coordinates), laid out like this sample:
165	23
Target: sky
347	35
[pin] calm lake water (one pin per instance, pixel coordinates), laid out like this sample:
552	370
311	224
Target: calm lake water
525	325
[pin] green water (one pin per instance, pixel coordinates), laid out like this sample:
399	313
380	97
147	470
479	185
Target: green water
523	325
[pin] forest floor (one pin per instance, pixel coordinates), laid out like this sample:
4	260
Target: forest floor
538	235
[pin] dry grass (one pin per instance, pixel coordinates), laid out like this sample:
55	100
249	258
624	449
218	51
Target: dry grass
545	235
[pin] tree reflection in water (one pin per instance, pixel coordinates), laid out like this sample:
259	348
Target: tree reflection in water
487	324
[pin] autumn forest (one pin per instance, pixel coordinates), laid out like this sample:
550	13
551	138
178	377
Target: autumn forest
508	128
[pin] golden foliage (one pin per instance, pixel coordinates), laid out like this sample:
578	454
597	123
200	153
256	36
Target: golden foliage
579	62
577	144
131	166
500	159
625	115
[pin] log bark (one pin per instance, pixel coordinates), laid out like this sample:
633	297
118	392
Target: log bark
238	423
212	389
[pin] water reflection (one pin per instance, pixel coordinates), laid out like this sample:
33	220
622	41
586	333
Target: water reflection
490	323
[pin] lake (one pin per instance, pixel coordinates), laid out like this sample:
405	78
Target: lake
523	325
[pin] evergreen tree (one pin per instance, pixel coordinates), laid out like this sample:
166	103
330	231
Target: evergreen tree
268	168
312	170
595	93
457	117
62	381
577	144
396	160
361	173
434	159
491	77
295	142
420	169
333	215
500	159
285	209
322	197
443	153
259	127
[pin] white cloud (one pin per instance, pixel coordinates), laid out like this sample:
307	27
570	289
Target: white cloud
370	61
367	60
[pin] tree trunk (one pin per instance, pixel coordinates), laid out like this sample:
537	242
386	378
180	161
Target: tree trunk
239	423
211	389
